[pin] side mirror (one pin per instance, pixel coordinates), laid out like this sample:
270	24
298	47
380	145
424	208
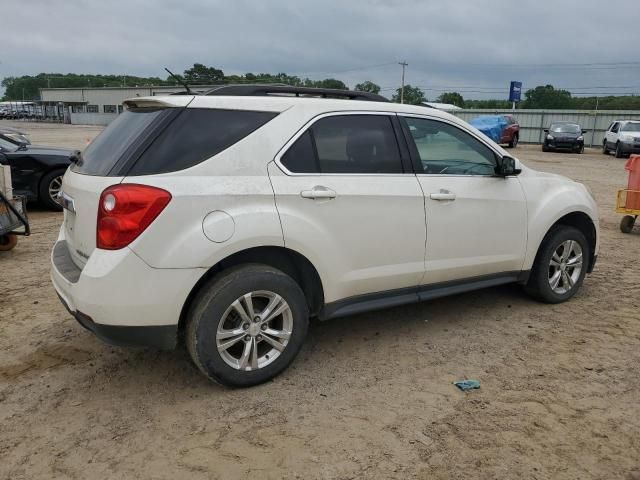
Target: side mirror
546	130
585	131
508	166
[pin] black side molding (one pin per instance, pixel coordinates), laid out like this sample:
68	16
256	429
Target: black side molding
404	296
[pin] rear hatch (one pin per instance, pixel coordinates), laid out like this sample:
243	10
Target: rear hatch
152	137
104	163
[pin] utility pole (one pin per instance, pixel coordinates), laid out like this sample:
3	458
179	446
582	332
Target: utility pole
404	65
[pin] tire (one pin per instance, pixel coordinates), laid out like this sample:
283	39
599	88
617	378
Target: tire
514	142
580	149
605	150
626	224
619	153
543	272
213	310
544	148
50	183
8	242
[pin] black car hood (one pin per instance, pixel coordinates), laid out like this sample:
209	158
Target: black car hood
40	150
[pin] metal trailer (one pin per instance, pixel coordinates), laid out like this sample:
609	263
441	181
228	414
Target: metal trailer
13	221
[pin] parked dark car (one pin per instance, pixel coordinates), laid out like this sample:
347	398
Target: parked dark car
36	172
15	134
564	136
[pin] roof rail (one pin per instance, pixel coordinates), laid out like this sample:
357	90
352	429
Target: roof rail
265	90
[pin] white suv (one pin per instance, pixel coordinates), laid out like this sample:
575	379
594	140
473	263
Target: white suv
622	137
228	219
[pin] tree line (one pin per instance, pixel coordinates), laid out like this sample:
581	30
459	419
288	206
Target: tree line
541	97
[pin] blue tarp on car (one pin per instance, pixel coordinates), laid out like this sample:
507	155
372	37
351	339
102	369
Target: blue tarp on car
491	125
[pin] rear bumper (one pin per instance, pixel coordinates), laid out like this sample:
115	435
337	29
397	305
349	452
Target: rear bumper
161	336
120	298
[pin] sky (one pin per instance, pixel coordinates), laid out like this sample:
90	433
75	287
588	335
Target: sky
475	47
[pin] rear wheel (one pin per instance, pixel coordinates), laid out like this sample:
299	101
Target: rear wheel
247	325
560	266
50	187
8	242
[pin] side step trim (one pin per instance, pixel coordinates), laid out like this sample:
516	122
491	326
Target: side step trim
404	296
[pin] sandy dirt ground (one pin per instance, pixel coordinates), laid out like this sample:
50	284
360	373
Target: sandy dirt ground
368	397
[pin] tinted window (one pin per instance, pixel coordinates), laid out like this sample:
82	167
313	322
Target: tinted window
119	137
346	144
447	150
301	157
196	135
614	127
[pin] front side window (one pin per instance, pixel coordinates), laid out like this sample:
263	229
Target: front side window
447	150
349	144
614	127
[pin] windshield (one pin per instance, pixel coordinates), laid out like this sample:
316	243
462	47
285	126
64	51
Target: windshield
631	127
565	128
7	145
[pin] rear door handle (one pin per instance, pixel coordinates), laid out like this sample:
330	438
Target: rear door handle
443	195
318	192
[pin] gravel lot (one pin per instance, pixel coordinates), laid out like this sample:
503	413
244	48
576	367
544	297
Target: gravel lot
369	396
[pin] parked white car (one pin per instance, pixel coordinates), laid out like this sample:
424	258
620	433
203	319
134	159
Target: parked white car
229	219
622	137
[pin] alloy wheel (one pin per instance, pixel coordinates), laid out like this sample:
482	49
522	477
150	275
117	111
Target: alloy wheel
254	330
565	266
54	188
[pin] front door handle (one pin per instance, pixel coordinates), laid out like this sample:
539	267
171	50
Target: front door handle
443	195
318	192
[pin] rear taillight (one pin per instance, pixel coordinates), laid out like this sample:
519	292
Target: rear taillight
125	211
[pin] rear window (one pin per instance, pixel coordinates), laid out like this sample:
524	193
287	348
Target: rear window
152	141
194	136
120	137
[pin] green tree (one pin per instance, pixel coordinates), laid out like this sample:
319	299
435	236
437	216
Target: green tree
453	98
368	86
326	83
547	97
412	95
200	74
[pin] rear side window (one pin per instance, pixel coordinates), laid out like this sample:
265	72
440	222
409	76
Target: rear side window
194	136
118	139
346	144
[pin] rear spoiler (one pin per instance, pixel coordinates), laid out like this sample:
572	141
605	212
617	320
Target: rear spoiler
159	102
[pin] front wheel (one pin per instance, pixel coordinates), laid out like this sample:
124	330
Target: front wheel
50	187
619	152
247	325
605	150
514	142
560	266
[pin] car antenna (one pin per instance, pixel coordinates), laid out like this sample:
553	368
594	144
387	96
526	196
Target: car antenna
180	81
